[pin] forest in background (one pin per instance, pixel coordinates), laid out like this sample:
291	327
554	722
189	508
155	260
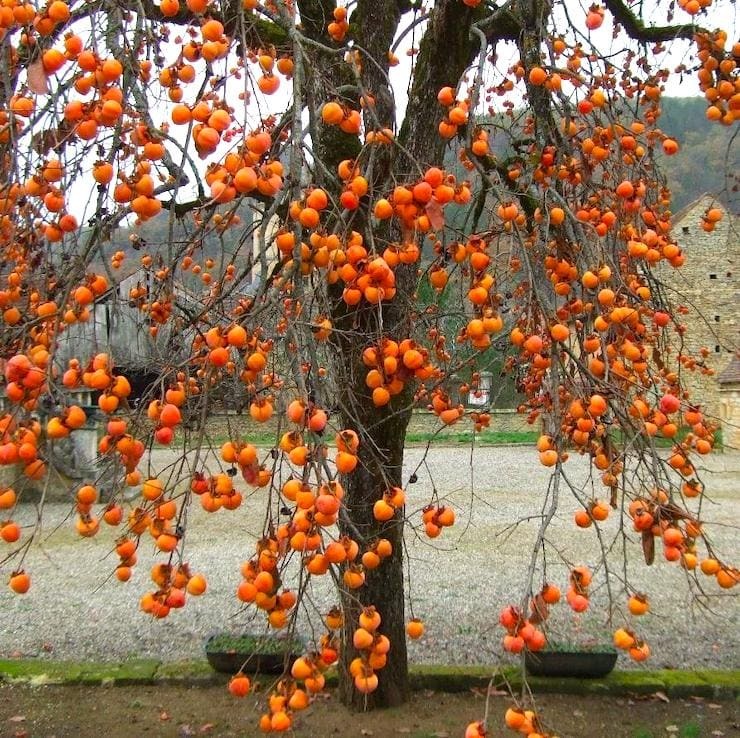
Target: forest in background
708	158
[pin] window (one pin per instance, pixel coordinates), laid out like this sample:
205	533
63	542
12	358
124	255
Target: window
712	276
685	229
716	349
716	318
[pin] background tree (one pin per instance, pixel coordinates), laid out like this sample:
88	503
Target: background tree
176	111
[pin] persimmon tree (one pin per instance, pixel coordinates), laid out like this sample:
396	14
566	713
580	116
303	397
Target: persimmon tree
519	183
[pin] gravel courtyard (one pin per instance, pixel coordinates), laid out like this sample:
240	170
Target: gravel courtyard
458	583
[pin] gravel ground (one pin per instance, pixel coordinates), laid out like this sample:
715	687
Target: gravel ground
75	610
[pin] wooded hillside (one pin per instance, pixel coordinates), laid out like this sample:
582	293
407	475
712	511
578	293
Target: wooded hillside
708	158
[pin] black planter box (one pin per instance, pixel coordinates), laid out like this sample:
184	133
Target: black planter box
252	654
585	664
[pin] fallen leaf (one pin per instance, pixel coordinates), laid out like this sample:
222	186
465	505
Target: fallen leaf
662	696
577	713
164	715
366	731
207	727
185	731
39	680
671	728
17	718
403	730
21	734
714	706
441	734
717	732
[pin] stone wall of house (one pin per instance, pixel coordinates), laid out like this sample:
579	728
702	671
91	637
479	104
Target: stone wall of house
729	398
708	285
122	330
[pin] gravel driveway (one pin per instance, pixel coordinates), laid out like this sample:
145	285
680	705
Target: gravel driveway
75	610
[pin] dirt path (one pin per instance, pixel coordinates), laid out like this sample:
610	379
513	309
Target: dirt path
181	712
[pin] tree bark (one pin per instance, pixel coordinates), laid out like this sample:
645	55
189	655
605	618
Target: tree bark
380	467
382	433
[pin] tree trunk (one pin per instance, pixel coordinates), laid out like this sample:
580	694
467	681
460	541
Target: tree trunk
382	433
380	467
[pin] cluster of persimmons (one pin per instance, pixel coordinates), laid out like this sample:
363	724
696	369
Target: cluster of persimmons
563	274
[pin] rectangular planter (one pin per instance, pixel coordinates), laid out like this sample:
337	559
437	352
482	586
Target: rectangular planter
252	654
583	664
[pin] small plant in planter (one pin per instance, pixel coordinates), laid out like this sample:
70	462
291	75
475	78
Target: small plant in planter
589	658
586	660
253	653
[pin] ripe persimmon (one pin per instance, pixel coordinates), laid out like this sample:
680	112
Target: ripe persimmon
638	604
10	532
20	582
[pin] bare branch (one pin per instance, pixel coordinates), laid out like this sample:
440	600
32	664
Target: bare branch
636	28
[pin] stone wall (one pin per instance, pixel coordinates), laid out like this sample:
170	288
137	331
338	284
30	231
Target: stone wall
708	284
422	421
729	397
502	421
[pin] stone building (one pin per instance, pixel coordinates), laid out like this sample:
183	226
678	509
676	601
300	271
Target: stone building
265	254
118	327
708	285
729	404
